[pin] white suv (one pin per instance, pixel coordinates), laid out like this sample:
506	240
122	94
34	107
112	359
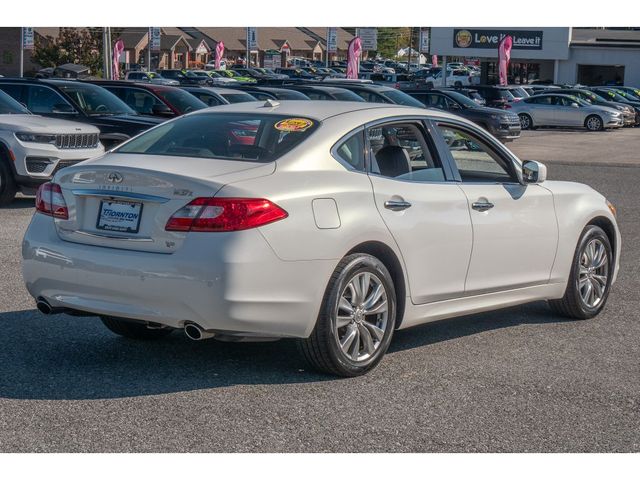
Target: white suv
33	148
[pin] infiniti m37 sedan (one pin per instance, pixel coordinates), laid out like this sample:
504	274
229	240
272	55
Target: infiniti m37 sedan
335	223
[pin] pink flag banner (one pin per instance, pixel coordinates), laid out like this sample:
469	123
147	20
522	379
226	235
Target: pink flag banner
118	48
434	60
504	56
219	54
353	57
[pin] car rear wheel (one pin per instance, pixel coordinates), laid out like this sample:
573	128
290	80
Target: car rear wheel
590	279
526	122
594	123
8	187
134	330
356	319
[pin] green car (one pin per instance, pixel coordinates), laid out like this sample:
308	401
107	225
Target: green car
235	76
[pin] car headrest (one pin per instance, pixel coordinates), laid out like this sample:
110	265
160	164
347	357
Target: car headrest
392	161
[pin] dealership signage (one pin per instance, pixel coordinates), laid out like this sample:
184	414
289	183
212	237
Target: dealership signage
154	35
369	38
490	38
424	40
252	39
27	38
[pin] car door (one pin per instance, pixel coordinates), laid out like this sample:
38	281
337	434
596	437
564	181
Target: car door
542	110
44	100
515	233
567	115
422	206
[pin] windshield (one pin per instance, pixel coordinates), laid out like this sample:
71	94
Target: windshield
239	97
181	100
401	98
463	99
629	95
518	92
94	100
347	96
10	106
226	136
613	96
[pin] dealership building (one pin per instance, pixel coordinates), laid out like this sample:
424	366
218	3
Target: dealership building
590	56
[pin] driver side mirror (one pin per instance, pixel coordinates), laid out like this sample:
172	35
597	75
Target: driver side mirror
533	172
63	108
575	105
161	109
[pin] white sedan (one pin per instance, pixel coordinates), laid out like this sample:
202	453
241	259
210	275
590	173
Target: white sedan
335	223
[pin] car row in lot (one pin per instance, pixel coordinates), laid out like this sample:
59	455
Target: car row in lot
332	223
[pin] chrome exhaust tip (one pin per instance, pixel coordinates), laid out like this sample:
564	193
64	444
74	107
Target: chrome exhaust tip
196	332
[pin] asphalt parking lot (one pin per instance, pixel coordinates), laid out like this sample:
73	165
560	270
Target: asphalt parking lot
516	380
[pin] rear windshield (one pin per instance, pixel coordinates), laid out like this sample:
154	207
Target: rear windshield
401	98
238	97
226	136
183	101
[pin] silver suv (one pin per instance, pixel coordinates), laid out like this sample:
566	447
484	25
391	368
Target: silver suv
149	77
33	148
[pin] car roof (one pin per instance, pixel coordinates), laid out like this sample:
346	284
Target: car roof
324	109
218	90
123	83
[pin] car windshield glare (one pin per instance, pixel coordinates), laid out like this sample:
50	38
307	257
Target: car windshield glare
401	98
183	101
226	136
94	100
463	99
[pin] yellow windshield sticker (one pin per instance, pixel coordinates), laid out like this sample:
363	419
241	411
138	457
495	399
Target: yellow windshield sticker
293	125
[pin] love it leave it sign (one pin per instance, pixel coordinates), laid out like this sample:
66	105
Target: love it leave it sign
490	38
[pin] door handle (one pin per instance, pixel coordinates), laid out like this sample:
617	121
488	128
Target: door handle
396	205
482	206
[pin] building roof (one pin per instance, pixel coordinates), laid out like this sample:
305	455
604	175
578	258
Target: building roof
344	37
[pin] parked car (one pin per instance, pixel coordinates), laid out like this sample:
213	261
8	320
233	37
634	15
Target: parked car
395	80
149	77
273	93
215	79
503	125
81	102
610	94
185	77
371	92
471	93
635	92
629	116
455	78
158	100
34	148
235	76
550	109
295	235
496	96
297	73
212	96
212	65
257	74
325	92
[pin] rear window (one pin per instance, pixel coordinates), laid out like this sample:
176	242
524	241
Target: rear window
183	101
238	97
226	136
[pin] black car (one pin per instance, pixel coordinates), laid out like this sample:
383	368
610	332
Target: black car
503	125
186	78
271	93
370	92
472	93
495	96
322	92
81	102
296	73
214	96
610	94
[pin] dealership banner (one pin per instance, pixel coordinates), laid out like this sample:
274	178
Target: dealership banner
332	39
252	38
154	35
368	38
424	40
490	38
27	38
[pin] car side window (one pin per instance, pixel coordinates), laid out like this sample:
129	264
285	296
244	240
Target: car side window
140	100
404	152
475	159
45	100
12	89
546	100
351	151
210	100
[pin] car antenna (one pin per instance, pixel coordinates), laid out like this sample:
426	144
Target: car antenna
271	103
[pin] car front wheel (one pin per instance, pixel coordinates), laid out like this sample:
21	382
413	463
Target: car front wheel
356	320
594	123
590	280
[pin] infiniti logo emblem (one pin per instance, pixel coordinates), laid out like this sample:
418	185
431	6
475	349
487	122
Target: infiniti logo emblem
115	177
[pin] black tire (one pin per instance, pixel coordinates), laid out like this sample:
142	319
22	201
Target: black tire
134	330
572	305
594	123
322	350
526	122
8	187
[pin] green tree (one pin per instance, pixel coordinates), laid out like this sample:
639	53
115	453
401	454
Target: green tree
73	45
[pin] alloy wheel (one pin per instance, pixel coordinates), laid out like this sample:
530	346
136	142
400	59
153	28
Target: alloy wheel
593	273
594	123
525	122
361	316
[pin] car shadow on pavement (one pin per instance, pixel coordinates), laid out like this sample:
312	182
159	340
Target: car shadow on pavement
74	358
21	202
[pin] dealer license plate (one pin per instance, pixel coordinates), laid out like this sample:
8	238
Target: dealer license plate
119	216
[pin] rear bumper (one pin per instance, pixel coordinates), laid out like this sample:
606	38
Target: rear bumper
227	282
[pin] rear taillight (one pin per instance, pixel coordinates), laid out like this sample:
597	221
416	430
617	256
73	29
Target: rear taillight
224	215
49	200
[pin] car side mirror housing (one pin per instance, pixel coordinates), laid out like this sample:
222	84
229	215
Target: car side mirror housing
533	172
160	109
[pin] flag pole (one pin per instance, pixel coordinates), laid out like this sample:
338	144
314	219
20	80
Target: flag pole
21	52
